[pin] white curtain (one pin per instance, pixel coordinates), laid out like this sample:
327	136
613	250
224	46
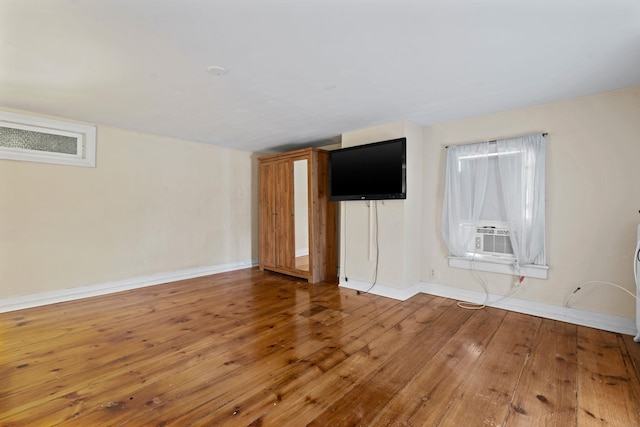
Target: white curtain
517	184
464	194
522	184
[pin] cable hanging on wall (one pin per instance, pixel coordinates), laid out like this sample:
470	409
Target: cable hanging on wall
377	247
344	258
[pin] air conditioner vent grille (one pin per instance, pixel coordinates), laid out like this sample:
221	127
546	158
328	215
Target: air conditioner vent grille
499	244
492	241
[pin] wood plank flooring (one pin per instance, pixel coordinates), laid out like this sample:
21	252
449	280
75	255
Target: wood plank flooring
248	348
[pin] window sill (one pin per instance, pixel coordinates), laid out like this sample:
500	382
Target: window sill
496	265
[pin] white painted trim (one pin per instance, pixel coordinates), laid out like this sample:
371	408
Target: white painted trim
35	300
85	135
500	266
381	290
607	322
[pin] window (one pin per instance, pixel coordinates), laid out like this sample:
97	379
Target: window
493	216
38	139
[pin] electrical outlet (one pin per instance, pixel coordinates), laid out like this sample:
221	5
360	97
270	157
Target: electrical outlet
434	273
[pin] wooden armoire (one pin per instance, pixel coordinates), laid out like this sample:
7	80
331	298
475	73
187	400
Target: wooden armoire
297	223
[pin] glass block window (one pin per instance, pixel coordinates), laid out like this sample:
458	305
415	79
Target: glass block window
37	139
31	140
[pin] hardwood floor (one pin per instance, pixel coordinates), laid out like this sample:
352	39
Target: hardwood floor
261	349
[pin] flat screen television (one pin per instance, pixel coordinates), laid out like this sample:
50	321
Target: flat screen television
369	172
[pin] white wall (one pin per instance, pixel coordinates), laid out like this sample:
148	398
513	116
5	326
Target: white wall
151	205
593	197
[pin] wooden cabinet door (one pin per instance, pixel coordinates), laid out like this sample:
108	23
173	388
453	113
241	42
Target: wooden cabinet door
285	226
267	214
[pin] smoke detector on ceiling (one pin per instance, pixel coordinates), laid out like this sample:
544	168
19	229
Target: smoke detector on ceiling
217	70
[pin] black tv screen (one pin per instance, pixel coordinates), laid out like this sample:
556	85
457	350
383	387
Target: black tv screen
369	172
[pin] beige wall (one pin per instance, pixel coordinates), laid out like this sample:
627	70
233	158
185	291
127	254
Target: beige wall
398	222
593	197
157	204
151	205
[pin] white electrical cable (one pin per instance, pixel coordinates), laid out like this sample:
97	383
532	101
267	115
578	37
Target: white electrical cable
377	244
636	258
476	274
472	305
598	282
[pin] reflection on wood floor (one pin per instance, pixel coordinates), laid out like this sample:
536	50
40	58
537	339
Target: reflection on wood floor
253	348
302	262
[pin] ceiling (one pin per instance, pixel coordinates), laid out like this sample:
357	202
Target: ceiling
301	72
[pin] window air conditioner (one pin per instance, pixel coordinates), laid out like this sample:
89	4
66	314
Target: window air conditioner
491	240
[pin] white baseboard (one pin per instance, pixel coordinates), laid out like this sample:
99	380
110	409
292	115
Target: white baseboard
35	300
607	322
383	291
